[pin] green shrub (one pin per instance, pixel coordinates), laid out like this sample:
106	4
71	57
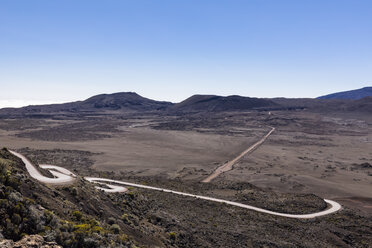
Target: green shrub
74	191
111	221
77	215
173	235
93	222
16	219
4	203
115	228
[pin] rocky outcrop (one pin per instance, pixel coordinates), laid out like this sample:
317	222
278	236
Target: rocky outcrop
32	241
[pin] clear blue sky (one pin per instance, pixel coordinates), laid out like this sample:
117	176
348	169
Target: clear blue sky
62	50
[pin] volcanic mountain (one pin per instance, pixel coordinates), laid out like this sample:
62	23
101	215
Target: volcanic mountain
132	102
123	100
221	103
351	94
126	101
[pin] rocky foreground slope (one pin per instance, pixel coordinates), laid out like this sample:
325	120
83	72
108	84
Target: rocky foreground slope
28	241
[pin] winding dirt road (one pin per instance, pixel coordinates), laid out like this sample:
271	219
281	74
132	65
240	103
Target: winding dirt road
62	175
229	164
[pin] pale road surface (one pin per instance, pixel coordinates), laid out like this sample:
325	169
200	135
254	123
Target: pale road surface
229	165
63	175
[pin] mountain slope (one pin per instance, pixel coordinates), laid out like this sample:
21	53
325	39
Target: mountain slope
220	103
351	94
362	105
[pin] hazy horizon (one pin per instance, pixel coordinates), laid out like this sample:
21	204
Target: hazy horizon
22	103
54	52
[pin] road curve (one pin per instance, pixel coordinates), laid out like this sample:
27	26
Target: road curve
229	165
334	206
63	175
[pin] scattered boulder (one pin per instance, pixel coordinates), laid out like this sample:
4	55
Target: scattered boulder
366	166
362	166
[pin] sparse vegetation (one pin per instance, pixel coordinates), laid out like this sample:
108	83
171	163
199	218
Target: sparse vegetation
24	216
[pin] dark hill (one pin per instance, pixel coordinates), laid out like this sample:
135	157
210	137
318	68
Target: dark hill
220	103
363	105
126	101
123	100
352	94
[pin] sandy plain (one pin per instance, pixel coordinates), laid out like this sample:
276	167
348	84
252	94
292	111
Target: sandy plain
328	155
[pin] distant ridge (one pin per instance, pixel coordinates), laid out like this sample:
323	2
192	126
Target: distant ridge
128	102
351	94
221	103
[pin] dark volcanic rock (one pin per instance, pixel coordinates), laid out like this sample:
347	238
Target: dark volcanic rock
363	166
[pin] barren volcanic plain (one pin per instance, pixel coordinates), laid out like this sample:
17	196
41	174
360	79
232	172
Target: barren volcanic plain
312	154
